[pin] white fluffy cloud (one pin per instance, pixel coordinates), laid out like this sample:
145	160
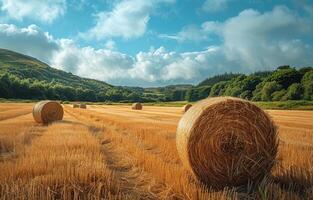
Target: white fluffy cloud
195	33
267	40
161	66
101	64
157	66
215	5
30	40
127	19
40	10
250	41
259	41
110	44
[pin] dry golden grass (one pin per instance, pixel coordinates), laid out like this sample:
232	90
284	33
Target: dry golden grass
16	134
10	110
113	152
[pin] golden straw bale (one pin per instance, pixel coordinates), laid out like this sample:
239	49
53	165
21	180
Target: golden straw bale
83	106
75	105
186	107
227	141
137	106
47	111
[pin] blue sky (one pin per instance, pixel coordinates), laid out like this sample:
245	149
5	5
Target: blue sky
159	42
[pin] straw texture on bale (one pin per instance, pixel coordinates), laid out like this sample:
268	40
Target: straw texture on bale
227	141
136	106
83	106
75	105
186	107
47	112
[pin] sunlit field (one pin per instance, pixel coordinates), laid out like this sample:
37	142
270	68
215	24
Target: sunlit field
113	152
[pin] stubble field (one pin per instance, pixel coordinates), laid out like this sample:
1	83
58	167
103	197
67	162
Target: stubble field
113	152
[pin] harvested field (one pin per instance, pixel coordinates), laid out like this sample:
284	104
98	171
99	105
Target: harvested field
115	152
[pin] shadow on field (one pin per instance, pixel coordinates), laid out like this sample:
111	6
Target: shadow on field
70	122
295	179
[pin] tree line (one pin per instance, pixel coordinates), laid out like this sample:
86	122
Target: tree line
285	83
14	87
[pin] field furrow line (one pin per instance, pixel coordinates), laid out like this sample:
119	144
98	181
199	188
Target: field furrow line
154	139
134	182
65	163
10	115
173	176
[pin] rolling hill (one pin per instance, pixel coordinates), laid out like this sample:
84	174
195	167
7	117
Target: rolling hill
26	67
24	77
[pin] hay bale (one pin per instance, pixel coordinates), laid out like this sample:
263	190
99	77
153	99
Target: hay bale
83	106
47	112
227	141
137	106
75	105
186	107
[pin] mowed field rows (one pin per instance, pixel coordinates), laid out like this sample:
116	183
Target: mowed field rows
113	152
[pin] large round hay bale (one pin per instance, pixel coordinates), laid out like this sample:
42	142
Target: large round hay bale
136	106
47	112
75	105
83	106
227	141
186	107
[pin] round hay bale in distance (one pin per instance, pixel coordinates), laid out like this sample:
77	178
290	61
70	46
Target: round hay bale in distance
47	112
75	105
83	106
186	107
227	141
137	106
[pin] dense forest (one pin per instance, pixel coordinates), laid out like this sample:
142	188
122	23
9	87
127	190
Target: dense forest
285	83
24	77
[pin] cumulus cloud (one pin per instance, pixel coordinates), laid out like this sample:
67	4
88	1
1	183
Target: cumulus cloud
101	64
44	11
192	32
170	67
127	19
30	40
266	40
256	41
110	44
215	5
251	41
195	33
157	66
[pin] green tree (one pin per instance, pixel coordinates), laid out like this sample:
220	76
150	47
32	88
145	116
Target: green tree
268	89
203	92
246	95
218	89
294	92
241	84
307	82
191	95
283	67
278	95
5	86
285	77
